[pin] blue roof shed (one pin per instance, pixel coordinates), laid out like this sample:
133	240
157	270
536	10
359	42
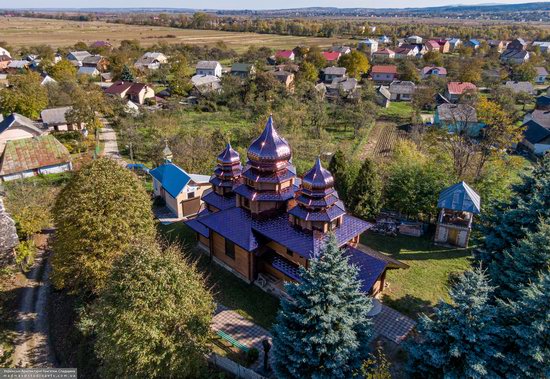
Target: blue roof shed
460	197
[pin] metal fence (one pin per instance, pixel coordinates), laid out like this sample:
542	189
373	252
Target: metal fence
233	367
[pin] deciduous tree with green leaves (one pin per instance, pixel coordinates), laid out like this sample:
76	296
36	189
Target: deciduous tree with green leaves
153	317
99	213
323	331
356	64
63	71
25	96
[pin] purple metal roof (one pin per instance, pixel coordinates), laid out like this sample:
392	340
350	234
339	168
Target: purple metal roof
269	177
233	224
369	267
318	202
325	215
269	151
251	194
198	227
219	201
318	177
228	156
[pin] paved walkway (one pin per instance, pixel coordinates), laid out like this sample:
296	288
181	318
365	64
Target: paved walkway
166	216
241	329
108	136
392	325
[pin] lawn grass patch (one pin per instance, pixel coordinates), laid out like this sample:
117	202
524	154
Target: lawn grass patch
418	288
397	111
246	299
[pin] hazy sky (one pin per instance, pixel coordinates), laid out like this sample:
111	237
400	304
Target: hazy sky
241	4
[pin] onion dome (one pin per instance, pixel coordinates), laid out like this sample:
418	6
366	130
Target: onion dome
229	168
318	180
269	152
317	200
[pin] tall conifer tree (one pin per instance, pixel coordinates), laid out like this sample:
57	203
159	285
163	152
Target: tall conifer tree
366	198
324	330
459	341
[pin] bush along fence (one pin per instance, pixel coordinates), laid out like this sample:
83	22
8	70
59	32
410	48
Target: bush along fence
232	367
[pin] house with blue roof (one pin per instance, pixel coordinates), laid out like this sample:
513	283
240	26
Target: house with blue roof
180	191
473	43
458	203
263	223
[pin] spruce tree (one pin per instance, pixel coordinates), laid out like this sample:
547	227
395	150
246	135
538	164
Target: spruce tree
324	330
459	341
366	198
126	74
509	222
525	342
521	263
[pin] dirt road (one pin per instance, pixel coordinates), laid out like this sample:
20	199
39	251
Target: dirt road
31	344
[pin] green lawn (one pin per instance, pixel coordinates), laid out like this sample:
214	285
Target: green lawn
246	299
398	110
419	287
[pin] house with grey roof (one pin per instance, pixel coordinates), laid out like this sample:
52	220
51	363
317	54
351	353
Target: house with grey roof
402	90
88	71
519	87
77	57
541	75
55	119
243	70
458	203
213	68
383	96
458	119
331	73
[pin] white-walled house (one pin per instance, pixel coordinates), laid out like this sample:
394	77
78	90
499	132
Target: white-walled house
180	191
15	127
213	68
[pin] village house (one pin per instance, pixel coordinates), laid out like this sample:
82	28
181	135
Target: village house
28	157
205	84
543	102
457	118
17	66
4	61
150	61
432	45
536	138
540	78
77	57
444	45
88	71
383	74
47	79
368	45
472	44
98	62
384	40
286	78
243	70
540	116
519	87
406	52
458	203
136	92
516	52
287	55
402	90
497	45
455	43
383	96
262	223
384	54
343	50
15	127
346	88
180	191
542	45
440	72
213	68
332	73
4	52
102	45
414	40
331	56
456	89
54	119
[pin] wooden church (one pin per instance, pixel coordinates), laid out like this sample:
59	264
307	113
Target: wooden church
262	222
